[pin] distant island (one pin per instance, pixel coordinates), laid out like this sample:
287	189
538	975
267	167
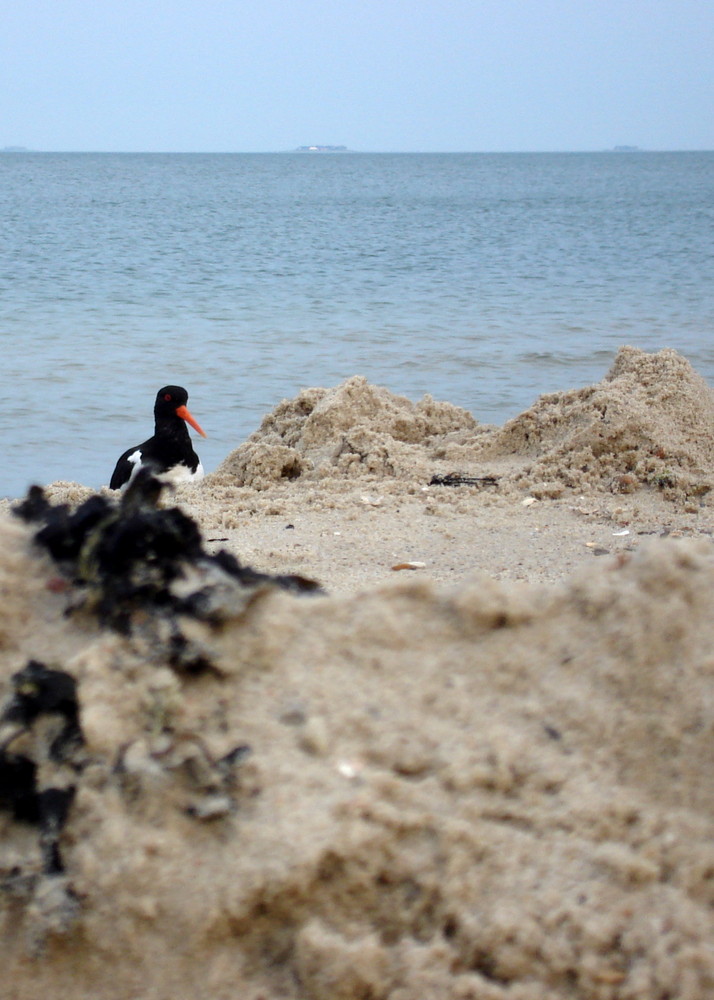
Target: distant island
627	149
321	149
14	149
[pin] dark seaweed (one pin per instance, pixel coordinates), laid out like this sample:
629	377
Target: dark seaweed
126	555
39	693
455	479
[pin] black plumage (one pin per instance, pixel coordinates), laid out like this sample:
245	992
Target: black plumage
169	450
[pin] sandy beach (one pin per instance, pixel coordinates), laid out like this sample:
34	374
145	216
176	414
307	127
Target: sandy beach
474	764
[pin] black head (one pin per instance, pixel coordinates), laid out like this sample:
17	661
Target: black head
169	399
170	410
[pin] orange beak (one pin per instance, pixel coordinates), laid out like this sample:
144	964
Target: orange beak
182	411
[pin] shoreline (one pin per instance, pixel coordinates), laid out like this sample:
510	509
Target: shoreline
338	483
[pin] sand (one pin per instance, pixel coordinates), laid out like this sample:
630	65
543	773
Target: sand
479	760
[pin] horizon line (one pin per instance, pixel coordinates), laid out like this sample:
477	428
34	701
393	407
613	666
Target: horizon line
323	151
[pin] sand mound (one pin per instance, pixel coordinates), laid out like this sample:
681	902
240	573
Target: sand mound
648	425
650	422
490	792
356	429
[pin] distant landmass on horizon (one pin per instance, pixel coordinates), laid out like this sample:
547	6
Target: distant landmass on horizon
321	149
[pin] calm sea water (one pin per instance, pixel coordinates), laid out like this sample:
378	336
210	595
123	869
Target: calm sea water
482	279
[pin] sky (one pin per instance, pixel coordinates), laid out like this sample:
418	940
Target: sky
372	75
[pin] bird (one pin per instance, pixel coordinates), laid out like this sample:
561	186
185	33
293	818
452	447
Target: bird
169	453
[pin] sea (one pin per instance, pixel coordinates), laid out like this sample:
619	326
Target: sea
482	279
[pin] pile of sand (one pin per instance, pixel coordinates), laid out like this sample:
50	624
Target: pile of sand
648	424
488	792
354	430
481	791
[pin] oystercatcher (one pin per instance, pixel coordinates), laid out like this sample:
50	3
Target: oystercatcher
169	452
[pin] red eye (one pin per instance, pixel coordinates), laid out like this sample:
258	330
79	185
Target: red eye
167	397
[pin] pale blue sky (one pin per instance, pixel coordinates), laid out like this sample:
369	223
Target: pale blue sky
393	75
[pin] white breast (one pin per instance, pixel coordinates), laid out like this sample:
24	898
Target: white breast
173	477
181	474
